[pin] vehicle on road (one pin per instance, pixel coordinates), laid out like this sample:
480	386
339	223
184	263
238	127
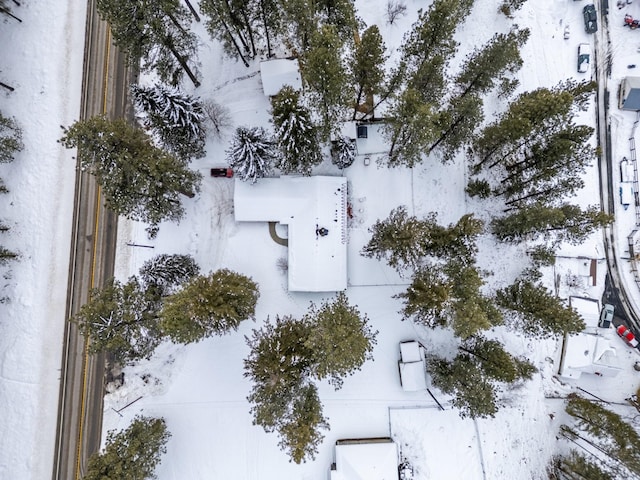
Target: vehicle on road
590	18
222	172
584	57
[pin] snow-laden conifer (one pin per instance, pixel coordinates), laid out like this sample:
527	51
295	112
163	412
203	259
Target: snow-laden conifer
175	119
343	152
251	154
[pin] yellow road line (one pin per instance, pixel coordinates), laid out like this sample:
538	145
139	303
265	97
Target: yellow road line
92	280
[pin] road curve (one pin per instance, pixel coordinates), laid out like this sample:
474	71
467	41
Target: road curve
78	434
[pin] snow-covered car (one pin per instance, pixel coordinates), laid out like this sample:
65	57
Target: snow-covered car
222	172
590	18
606	316
584	57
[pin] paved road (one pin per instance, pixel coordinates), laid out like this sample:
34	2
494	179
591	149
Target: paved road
91	264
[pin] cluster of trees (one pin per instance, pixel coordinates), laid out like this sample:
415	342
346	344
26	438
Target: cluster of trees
289	356
611	446
446	291
170	300
537	155
132	454
10	144
155	36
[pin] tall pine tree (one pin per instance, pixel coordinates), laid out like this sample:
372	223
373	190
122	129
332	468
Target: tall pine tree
252	153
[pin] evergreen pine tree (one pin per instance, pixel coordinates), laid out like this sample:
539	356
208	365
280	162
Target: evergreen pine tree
153	34
7	255
539	312
339	14
568	223
343	152
295	133
495	362
486	66
137	179
367	69
209	305
175	119
399	240
410	129
326	78
131	454
340	338
10	138
428	298
120	319
301	428
575	466
164	274
457	241
474	394
251	154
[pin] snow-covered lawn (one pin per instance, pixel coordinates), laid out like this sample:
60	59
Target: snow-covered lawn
200	389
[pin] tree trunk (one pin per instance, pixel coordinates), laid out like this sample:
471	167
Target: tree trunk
250	31
182	63
235	44
7	12
193	10
266	28
8	87
445	134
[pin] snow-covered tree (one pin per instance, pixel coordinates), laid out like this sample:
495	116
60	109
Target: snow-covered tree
121	319
218	116
209	305
576	465
538	311
343	152
174	118
154	35
295	133
164	274
367	69
131	454
7	255
10	138
251	154
340	338
428	297
138	180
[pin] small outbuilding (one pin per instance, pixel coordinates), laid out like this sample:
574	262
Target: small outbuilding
412	367
279	72
366	459
629	94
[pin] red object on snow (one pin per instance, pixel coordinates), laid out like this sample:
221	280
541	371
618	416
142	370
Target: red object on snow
222	172
627	335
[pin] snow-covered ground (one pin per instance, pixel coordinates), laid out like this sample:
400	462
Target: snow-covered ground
42	59
200	389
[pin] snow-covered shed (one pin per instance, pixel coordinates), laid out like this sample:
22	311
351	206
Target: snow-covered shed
412	367
369	137
629	94
315	211
589	351
366	459
279	72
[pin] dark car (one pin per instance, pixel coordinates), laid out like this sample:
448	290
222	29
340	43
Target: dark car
590	19
222	172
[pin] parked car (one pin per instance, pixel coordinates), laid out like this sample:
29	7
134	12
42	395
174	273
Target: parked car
222	172
590	18
627	336
606	316
584	57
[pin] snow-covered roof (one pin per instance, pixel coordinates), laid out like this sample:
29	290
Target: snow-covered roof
412	367
589	310
317	262
373	143
587	353
366	461
630	93
277	73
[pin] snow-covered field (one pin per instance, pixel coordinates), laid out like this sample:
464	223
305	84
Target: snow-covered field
200	389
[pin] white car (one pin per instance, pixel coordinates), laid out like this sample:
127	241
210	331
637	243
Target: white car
584	57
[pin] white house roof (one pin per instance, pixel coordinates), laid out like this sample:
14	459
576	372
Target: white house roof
277	73
373	143
317	263
366	461
412	367
587	353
